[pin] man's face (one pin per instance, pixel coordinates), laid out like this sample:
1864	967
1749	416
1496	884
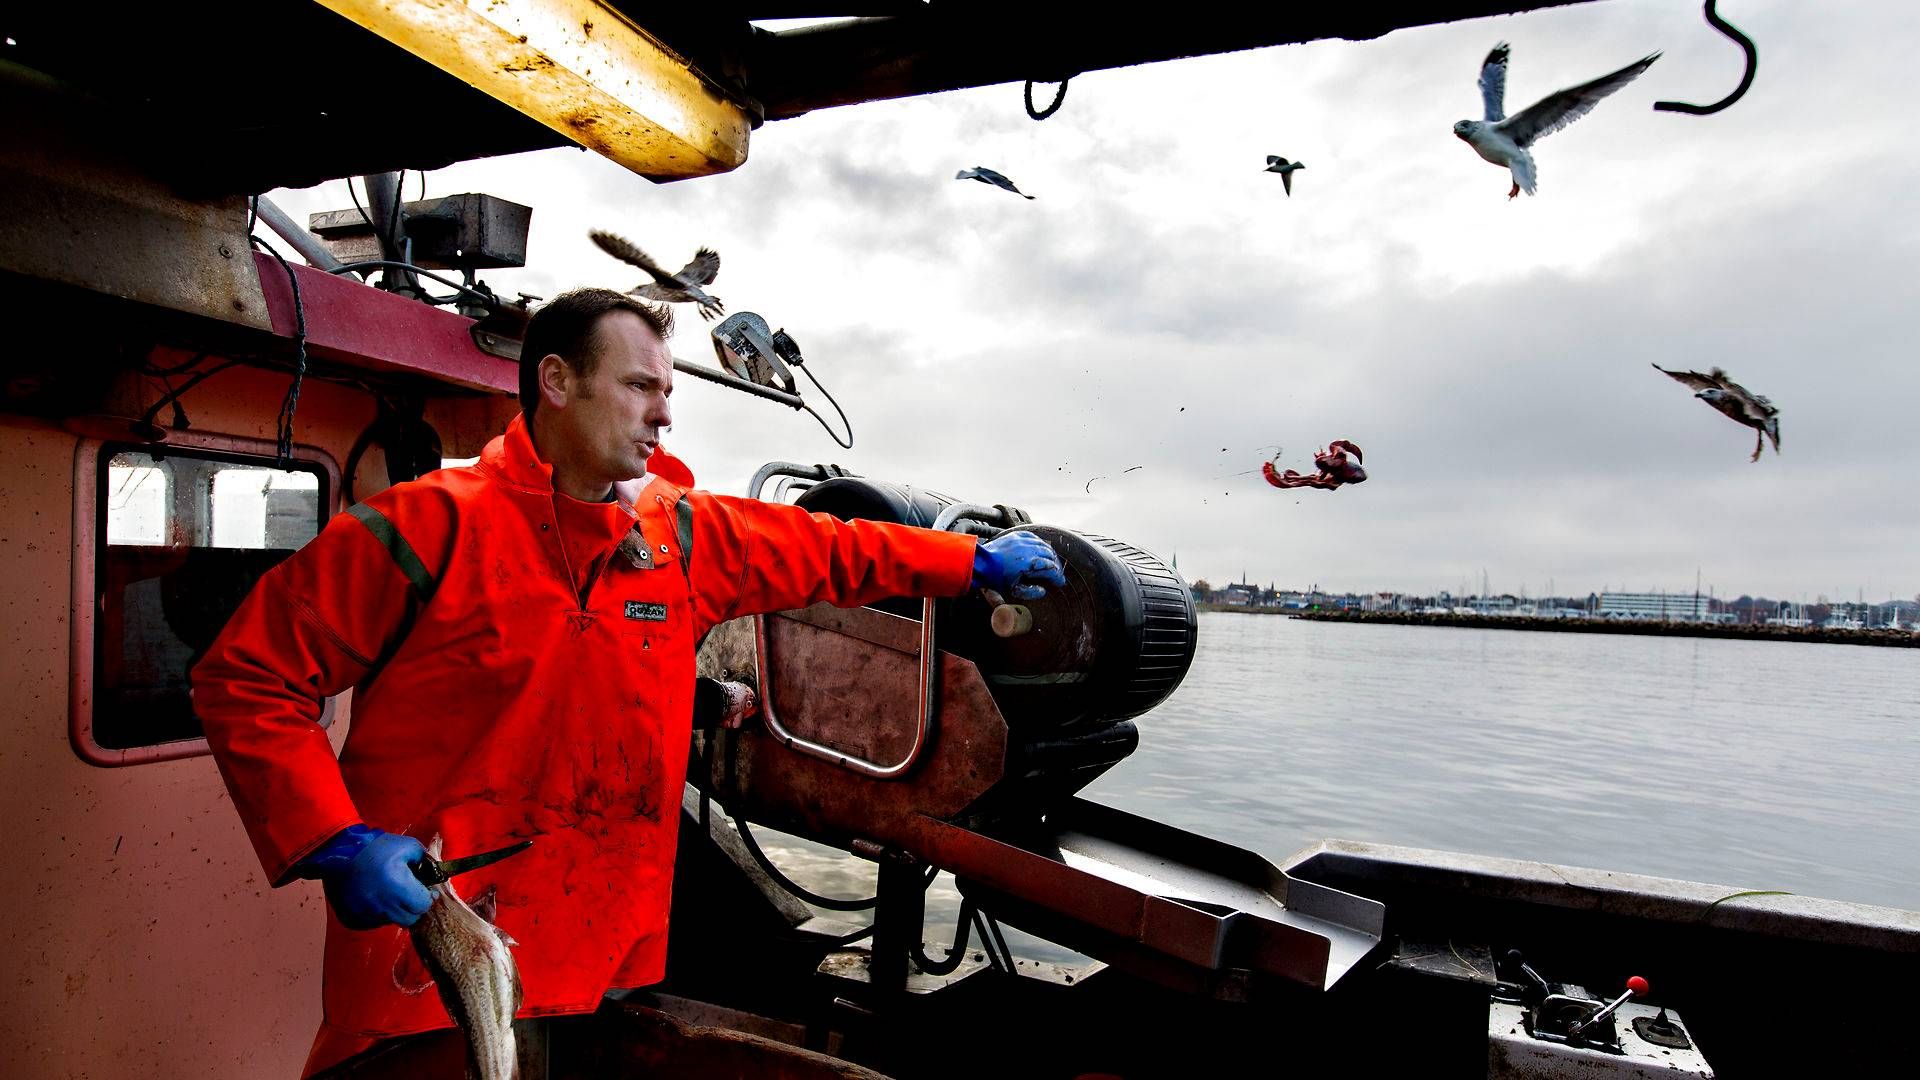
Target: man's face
611	419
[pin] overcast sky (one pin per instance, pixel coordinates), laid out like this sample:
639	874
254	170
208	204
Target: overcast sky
1162	303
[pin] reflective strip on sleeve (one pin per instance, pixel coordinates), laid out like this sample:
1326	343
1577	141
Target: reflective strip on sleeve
683	527
402	552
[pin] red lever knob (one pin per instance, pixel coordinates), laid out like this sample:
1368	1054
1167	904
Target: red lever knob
1638	986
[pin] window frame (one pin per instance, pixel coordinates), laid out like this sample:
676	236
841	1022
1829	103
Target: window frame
88	525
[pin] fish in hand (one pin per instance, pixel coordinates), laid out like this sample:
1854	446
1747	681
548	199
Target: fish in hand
475	974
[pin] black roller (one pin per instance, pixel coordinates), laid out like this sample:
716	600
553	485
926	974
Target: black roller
1111	645
852	498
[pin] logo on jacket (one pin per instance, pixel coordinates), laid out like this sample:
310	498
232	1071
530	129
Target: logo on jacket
640	609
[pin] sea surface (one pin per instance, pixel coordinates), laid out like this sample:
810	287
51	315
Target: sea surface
1751	764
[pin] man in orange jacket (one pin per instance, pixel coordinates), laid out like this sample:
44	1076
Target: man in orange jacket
520	636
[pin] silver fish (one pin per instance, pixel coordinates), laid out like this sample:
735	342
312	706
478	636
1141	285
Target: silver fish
476	976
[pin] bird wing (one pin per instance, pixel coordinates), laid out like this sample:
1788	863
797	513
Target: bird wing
1756	407
991	177
666	294
623	249
1694	380
1286	181
702	270
1493	83
1555	111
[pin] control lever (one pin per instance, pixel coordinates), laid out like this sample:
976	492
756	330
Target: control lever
1515	958
1636	987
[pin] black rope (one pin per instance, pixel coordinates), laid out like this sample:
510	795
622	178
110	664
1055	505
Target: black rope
172	396
1746	80
364	216
792	886
374	264
986	942
284	447
1006	953
844	422
848	939
1059	98
394	228
956	952
148	367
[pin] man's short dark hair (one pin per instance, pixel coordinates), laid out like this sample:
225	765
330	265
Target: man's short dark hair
564	326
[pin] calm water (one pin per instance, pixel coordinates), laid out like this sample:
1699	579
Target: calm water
1761	765
1766	765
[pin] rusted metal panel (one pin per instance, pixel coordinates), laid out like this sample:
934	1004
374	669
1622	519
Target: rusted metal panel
364	326
79	216
581	68
853	702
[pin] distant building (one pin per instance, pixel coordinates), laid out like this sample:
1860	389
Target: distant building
1670	607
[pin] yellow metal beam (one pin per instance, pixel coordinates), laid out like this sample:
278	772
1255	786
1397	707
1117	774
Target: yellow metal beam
577	66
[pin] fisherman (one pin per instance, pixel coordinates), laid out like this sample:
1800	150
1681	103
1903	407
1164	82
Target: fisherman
520	636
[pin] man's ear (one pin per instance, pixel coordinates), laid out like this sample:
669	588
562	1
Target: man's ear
557	381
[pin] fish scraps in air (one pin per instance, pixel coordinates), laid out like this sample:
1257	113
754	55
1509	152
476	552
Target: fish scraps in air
1334	469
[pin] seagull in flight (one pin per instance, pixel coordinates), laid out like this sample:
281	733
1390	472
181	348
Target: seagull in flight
1285	168
988	176
680	288
1504	140
1731	398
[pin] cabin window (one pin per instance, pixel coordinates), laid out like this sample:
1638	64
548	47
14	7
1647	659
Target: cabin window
181	536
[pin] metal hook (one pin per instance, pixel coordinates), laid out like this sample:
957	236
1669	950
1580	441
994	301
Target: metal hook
1753	64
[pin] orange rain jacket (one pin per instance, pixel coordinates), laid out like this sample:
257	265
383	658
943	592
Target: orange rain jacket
523	665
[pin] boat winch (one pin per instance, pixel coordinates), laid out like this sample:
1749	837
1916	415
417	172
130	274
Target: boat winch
956	735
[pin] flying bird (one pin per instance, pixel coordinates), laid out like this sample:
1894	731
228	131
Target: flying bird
1504	139
988	176
1285	168
1736	402
681	288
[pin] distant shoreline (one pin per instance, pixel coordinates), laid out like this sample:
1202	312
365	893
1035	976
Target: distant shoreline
1897	639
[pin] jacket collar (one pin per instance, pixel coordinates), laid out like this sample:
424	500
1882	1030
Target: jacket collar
512	458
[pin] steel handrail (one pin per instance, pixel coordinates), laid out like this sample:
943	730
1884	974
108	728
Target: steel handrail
929	658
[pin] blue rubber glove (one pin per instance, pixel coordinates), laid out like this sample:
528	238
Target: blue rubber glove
368	876
1017	563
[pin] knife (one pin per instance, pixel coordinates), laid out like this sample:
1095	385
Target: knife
431	872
